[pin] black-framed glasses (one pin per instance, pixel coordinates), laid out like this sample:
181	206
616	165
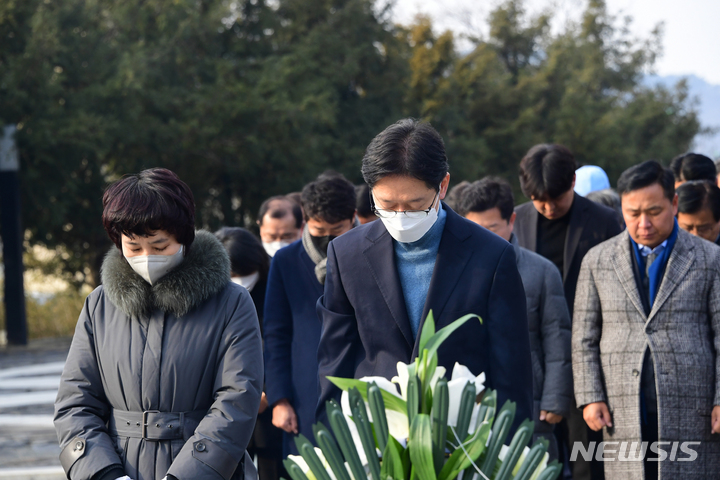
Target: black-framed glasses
382	213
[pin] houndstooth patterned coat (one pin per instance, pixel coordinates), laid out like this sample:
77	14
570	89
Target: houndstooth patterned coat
611	332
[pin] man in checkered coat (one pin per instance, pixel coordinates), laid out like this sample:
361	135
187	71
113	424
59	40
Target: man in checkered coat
646	332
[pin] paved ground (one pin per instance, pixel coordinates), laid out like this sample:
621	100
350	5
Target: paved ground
29	377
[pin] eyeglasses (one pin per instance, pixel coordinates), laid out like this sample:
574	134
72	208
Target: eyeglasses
381	213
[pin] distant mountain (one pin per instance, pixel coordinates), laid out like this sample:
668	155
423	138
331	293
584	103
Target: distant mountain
708	96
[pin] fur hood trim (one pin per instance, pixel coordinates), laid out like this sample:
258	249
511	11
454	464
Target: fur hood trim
204	272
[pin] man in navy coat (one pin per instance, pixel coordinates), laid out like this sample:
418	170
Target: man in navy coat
291	326
383	278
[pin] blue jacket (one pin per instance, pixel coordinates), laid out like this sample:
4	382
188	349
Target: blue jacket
291	332
365	326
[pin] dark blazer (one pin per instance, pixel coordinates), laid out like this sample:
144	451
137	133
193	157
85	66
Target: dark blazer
292	332
365	326
590	225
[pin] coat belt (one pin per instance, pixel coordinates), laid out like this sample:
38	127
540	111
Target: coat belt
154	425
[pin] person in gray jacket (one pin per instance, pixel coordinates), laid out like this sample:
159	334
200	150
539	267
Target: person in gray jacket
489	203
164	375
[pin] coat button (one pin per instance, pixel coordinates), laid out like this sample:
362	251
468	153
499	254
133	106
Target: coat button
200	447
636	372
79	446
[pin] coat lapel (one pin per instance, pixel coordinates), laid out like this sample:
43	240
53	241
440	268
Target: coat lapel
380	256
575	230
679	263
449	265
624	270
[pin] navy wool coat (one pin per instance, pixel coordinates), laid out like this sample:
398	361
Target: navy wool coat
291	332
365	326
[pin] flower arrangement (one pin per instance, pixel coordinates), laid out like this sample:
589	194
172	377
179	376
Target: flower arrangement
432	429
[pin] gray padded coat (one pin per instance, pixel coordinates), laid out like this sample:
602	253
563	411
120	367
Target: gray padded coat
186	351
550	332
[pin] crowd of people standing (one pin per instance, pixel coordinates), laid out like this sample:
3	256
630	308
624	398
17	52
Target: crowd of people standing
600	307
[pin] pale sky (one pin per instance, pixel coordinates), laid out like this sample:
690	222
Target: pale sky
692	27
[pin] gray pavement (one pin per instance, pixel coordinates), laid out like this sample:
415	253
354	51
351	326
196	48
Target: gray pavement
29	377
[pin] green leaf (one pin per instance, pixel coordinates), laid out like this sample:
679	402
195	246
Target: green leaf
392	464
501	428
532	460
360	417
294	470
377	408
421	448
413	398
428	330
460	460
488	407
517	445
441	402
551	472
330	449
391	401
441	335
342	433
467	404
307	451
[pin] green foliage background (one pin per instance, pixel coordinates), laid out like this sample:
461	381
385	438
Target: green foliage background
249	98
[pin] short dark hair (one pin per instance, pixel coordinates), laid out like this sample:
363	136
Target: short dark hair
547	171
644	175
143	203
696	195
409	148
280	212
246	252
453	195
486	194
331	197
693	166
362	200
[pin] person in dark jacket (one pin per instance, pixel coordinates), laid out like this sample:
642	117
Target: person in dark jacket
249	264
383	278
489	203
692	166
699	209
562	226
291	326
164	374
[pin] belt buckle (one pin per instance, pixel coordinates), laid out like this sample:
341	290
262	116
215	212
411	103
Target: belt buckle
144	426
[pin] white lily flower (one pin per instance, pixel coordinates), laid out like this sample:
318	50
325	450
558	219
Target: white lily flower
461	371
401	379
383	383
461	375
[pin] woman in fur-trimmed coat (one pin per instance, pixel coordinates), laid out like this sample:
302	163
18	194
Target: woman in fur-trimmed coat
164	375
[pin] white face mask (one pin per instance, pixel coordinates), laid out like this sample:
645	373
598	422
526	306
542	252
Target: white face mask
407	230
248	281
272	247
153	267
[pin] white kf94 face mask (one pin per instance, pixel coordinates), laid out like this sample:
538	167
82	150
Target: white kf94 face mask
153	267
405	229
247	281
272	247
